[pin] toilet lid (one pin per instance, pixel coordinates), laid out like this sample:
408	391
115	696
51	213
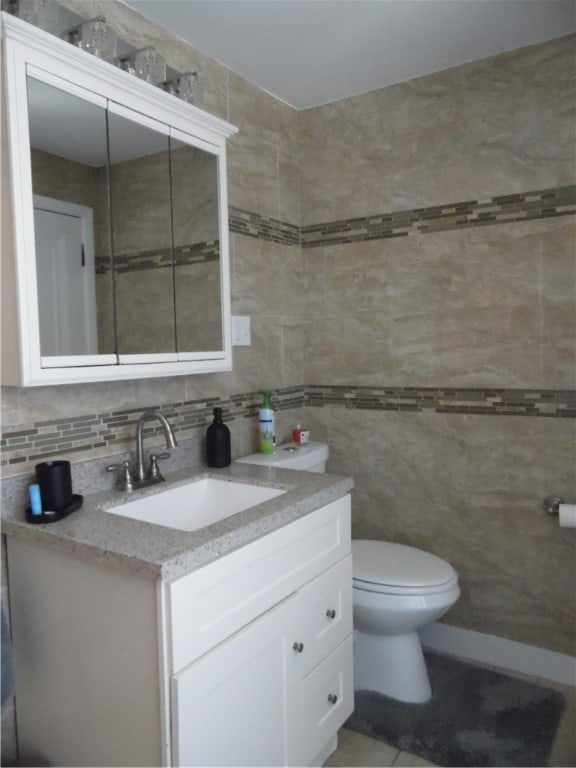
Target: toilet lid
396	565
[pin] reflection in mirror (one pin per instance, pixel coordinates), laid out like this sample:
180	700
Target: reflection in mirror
69	181
196	248
142	237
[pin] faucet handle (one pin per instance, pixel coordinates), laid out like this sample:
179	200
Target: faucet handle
124	467
154	459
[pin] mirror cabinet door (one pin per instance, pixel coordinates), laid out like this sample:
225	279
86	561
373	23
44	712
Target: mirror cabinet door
140	197
196	248
69	162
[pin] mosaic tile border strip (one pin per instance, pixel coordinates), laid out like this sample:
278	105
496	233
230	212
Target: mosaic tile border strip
487	402
264	228
160	257
115	429
503	209
540	204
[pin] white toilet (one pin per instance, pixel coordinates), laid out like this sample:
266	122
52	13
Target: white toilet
397	590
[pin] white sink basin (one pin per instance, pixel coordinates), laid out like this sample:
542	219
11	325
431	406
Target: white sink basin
197	504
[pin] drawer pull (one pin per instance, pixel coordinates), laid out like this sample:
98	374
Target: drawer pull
298	647
331	613
332	698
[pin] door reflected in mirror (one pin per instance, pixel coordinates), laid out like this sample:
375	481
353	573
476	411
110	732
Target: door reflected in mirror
69	162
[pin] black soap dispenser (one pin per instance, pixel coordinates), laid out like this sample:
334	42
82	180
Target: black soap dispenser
218	452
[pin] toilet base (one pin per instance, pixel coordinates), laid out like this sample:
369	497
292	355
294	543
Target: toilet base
392	665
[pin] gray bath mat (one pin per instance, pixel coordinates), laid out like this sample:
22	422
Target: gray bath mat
475	717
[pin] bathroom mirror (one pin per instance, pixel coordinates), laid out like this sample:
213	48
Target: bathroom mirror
126	224
120	266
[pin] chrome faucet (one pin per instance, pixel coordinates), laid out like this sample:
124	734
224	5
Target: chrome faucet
141	480
168	435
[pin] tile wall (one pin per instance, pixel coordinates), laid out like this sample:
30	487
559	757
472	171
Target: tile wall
440	324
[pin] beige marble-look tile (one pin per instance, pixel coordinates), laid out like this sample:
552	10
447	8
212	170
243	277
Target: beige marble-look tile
459	308
482	111
10	406
253	174
266	278
289	188
355	749
260	114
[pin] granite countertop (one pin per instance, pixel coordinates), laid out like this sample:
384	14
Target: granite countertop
167	553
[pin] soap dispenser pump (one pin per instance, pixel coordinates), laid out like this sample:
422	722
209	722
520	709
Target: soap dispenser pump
218	453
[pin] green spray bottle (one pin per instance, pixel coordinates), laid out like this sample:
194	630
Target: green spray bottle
267	424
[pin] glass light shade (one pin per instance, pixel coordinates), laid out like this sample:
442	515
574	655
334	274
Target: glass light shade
189	87
41	13
95	37
149	65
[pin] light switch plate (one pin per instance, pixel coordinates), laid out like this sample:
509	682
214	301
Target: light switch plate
241	331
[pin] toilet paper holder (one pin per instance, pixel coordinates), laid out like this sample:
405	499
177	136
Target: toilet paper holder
552	505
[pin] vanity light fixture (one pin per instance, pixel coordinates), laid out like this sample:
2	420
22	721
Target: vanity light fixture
94	36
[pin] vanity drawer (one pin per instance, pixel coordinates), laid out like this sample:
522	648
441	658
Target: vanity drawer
325	616
325	702
210	604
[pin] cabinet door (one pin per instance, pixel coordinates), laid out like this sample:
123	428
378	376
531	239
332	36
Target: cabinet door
232	706
325	700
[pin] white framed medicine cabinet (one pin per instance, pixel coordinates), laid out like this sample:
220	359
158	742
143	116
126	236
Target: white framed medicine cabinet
118	264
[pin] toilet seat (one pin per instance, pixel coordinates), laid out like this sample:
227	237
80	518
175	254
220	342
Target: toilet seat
396	569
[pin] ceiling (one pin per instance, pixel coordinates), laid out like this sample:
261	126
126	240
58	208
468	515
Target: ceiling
311	52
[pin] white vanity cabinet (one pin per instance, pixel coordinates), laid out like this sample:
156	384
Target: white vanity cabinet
244	661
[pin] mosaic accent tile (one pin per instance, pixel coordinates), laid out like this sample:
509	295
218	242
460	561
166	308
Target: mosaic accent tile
254	225
540	204
159	258
486	402
58	437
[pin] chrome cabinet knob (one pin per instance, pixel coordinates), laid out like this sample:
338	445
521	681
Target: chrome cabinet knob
298	647
331	613
332	698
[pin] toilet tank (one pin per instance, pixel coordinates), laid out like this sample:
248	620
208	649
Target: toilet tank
311	457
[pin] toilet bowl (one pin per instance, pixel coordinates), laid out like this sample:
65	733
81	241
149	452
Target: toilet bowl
397	590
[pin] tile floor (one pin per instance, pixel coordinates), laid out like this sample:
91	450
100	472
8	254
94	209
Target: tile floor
354	749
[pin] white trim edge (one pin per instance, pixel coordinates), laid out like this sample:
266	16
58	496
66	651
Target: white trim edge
499	652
